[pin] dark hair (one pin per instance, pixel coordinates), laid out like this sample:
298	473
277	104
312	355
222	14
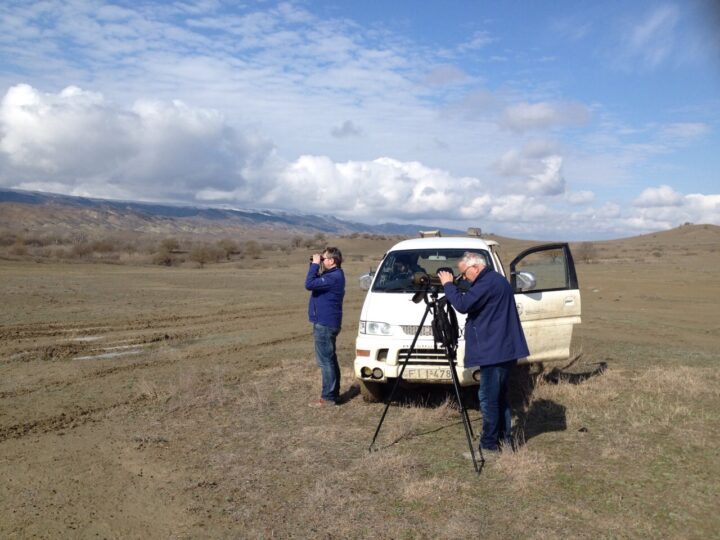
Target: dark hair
335	254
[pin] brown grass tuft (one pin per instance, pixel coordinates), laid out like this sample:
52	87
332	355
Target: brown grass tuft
524	468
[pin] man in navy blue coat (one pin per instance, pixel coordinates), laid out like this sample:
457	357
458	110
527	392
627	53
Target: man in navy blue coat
327	291
494	340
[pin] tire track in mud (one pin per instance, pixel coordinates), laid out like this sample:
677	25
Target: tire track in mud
60	421
30	331
69	350
184	328
72	419
112	370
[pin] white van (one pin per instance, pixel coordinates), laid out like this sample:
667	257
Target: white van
547	297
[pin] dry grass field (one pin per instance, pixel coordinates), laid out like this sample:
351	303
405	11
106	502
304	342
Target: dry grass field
171	402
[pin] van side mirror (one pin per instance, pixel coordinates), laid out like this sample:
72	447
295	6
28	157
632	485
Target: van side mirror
365	280
524	281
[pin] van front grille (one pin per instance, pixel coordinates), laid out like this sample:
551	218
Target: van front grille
423	356
411	330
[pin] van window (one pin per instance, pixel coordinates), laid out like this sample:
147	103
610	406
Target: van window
398	267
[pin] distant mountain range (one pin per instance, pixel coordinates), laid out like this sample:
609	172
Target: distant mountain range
33	210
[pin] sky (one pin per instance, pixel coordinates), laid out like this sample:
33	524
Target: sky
567	120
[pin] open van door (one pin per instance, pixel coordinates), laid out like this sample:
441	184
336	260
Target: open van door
548	300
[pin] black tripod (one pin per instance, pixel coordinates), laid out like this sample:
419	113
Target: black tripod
445	333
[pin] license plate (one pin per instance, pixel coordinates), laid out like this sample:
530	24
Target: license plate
427	373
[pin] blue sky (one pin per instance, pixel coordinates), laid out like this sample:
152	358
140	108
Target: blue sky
563	120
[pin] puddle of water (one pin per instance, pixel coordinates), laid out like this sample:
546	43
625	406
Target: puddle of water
87	338
105	356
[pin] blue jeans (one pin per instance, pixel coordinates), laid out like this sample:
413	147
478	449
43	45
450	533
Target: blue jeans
494	405
326	358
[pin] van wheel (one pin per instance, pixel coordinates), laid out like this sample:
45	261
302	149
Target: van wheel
372	392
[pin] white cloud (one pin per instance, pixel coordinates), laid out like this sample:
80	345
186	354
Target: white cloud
663	208
518	208
659	196
550	181
380	188
527	161
158	150
703	208
525	116
536	165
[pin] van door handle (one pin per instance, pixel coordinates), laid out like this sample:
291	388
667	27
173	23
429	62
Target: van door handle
569	301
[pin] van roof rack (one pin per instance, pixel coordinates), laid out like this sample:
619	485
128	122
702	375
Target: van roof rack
430	234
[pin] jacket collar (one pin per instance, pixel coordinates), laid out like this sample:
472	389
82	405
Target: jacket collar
484	272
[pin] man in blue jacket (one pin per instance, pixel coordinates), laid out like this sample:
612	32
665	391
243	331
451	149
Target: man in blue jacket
494	340
327	290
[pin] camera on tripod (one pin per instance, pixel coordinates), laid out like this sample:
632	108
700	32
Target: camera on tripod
425	280
445	333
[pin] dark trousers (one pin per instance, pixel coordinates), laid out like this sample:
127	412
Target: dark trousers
327	361
494	405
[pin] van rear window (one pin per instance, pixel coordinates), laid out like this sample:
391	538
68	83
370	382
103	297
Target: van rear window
396	271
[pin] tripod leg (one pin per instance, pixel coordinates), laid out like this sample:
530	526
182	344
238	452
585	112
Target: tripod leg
388	401
467	418
463	410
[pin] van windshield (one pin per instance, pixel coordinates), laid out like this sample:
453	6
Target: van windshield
398	267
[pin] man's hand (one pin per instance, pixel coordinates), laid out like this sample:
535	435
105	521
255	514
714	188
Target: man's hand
445	277
316	258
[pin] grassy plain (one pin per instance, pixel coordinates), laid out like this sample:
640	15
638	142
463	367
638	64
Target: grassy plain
151	402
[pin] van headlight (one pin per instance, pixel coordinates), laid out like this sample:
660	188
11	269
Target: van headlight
375	328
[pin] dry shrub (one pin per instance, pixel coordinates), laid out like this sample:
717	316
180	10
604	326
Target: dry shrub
252	250
586	252
44	252
81	250
169	244
19	250
8	239
229	247
60	253
104	245
35	241
204	253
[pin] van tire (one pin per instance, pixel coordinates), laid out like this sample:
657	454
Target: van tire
372	392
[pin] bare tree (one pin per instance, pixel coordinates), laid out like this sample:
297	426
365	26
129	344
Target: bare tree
228	247
319	240
203	254
170	244
587	252
252	249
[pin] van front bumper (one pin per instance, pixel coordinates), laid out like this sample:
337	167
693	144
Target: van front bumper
370	370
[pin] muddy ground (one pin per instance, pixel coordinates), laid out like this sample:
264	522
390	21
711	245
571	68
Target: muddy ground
148	402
